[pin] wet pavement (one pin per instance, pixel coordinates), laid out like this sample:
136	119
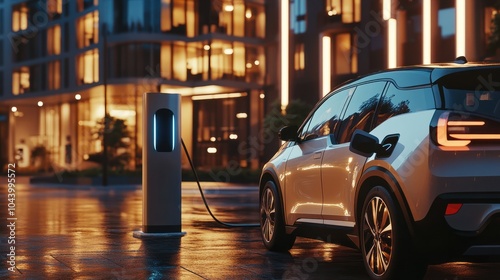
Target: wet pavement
83	232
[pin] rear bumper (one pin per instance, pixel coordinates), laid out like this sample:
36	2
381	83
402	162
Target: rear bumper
473	231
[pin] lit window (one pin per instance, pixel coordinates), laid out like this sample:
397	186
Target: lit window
54	8
299	57
21	80
20	17
88	67
347	11
88	29
54	40
54	74
345	56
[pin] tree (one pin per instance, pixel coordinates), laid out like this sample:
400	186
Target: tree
118	138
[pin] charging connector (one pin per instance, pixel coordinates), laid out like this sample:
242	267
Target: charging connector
203	195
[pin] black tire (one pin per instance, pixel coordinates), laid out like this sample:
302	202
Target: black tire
385	242
272	222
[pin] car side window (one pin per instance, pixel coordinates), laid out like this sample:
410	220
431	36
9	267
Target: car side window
400	101
361	110
325	118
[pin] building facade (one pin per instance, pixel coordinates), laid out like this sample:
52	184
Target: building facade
64	64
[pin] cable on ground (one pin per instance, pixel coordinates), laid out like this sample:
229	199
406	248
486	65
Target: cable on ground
203	195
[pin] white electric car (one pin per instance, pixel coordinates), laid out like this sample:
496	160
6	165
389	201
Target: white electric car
403	164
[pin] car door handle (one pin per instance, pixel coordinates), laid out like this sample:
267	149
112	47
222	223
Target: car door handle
317	155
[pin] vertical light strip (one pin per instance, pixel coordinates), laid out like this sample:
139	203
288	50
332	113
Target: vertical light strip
386	13
427	32
392	41
326	64
284	46
460	25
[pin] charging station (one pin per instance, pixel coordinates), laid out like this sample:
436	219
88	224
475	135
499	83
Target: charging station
161	170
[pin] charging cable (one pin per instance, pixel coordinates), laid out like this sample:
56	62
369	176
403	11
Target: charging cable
203	195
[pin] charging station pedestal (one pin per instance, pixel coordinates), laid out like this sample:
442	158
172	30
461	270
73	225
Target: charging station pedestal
161	170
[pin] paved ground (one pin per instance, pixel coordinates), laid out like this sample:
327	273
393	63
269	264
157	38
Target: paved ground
79	232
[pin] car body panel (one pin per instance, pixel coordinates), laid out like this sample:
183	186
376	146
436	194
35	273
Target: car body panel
303	192
340	171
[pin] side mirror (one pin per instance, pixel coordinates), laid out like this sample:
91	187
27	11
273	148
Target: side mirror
288	133
363	143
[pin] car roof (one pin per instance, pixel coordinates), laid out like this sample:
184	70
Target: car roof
421	75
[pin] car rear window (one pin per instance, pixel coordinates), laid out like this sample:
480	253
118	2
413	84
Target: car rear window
475	92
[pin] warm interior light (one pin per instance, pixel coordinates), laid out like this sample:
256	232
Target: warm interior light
426	32
460	26
40	103
241	115
78	96
206	47
233	136
13	109
248	13
326	61
219	96
228	51
211	150
256	62
386	13
248	65
284	49
392	50
262	96
229	8
212	139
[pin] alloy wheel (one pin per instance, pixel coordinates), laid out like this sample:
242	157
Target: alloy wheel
377	233
268	214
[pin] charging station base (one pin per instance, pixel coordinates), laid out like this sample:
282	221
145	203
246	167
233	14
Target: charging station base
143	235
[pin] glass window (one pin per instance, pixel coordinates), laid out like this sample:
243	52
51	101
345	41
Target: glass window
222	125
20	17
255	21
88	67
298	16
1	56
88	30
299	57
134	60
1	83
55	8
21	80
361	110
347	11
400	101
476	92
54	40
1	21
54	74
85	4
345	54
325	119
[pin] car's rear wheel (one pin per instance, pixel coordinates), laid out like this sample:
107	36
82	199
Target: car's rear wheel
272	222
385	241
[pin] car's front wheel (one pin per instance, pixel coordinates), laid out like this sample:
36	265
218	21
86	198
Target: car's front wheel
272	222
385	241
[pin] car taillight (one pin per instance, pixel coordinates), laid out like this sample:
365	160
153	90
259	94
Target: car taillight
456	129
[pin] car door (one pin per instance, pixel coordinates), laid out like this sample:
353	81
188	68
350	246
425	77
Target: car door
303	189
340	168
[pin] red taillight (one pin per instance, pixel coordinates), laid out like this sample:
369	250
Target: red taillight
452	208
459	130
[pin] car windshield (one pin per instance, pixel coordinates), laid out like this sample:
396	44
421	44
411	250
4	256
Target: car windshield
476	92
